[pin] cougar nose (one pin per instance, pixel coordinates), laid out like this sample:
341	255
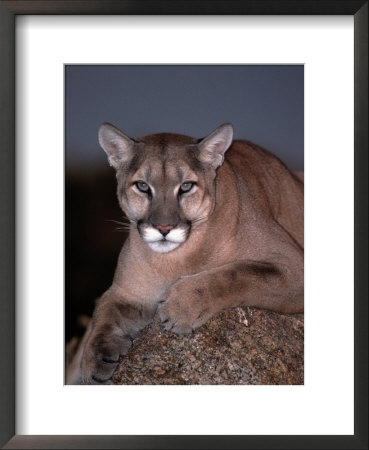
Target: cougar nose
164	229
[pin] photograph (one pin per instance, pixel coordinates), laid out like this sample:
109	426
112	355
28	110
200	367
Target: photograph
184	224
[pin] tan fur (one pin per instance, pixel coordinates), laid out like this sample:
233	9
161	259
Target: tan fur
244	228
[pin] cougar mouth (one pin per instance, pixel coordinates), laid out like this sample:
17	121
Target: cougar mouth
163	243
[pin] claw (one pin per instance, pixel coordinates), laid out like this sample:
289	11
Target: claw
99	380
110	361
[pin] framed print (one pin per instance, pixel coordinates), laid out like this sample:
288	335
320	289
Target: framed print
39	42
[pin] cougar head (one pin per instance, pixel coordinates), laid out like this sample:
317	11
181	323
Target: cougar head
166	182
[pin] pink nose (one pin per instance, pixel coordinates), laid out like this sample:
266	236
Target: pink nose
164	229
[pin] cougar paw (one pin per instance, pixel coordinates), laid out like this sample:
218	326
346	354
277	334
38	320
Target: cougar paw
172	323
184	309
101	357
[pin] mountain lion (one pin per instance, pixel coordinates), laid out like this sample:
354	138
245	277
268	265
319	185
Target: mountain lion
213	224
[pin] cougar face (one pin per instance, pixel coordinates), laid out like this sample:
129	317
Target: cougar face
165	183
164	197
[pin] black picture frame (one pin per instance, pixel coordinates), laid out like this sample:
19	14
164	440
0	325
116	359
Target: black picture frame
8	11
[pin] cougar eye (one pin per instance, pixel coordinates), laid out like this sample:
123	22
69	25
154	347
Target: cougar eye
186	187
142	186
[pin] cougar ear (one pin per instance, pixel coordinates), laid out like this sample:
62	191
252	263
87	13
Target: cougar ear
213	147
116	144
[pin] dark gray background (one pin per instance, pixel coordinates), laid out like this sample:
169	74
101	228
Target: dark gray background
264	103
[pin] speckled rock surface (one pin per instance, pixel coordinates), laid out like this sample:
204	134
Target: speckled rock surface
239	346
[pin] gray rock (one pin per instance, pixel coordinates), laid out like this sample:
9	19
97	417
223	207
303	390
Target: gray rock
239	346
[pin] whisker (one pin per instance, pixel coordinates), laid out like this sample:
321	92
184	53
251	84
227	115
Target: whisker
199	219
124	222
124	225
